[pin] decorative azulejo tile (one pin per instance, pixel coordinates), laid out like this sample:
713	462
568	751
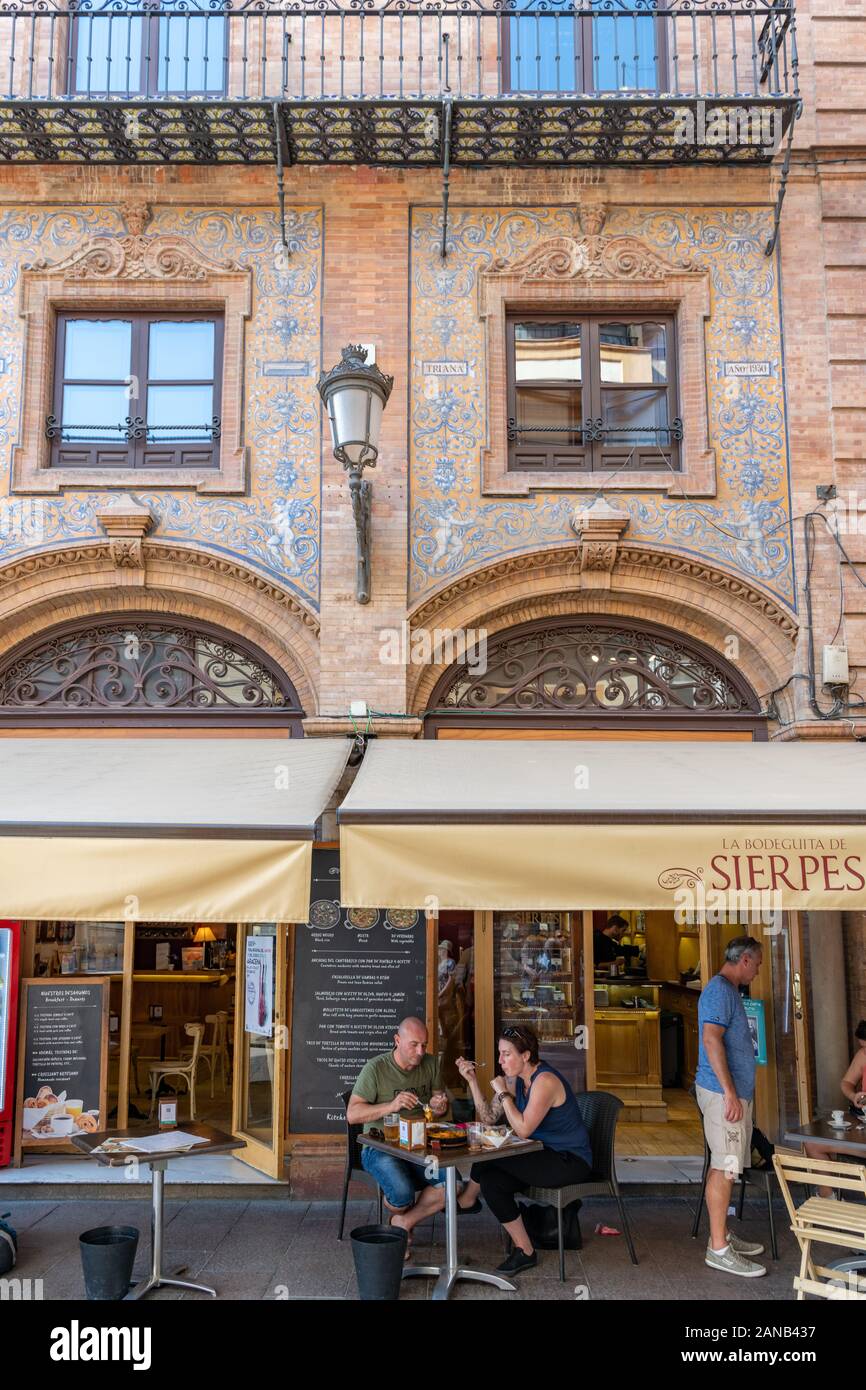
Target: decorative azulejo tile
746	527
275	529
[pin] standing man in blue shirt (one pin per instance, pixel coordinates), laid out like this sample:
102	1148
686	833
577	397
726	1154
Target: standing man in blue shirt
725	1085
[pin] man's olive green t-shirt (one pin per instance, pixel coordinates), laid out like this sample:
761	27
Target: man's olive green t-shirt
381	1080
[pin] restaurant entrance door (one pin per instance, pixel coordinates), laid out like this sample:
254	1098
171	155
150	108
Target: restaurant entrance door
261	1046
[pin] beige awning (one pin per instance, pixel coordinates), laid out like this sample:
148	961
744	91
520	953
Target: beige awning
212	830
568	824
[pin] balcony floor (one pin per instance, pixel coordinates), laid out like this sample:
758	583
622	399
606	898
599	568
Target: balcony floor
519	131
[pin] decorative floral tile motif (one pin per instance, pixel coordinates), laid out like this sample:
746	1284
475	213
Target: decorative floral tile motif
453	528
276	528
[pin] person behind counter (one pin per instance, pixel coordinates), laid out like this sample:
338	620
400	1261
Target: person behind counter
607	943
538	1103
406	1078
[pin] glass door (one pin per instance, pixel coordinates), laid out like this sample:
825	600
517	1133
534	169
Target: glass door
558	46
625	48
261	1046
456	999
792	1022
537	982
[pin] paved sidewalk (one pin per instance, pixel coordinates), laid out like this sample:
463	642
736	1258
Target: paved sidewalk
288	1249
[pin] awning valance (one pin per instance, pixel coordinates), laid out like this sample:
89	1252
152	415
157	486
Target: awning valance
569	824
175	829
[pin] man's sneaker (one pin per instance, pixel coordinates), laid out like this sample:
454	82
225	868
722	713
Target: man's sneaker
732	1262
743	1247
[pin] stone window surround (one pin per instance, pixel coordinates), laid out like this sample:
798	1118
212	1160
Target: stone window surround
683	294
87	282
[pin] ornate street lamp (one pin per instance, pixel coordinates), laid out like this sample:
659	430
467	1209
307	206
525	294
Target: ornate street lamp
355	395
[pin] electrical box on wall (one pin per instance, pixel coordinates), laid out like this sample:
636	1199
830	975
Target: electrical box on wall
835	665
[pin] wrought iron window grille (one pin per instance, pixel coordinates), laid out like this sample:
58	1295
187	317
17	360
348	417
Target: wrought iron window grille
141	667
596	431
133	427
592	666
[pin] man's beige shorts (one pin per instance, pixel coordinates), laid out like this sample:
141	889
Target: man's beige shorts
730	1143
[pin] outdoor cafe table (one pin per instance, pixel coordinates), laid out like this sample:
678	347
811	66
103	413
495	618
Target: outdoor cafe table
446	1275
217	1142
843	1141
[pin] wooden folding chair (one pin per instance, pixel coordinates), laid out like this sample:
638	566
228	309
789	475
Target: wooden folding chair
834	1291
823	1220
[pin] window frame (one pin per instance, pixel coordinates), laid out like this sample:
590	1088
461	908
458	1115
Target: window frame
147	84
137	452
584	49
594	454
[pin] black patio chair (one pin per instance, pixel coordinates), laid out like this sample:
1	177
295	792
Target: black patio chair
353	1165
600	1112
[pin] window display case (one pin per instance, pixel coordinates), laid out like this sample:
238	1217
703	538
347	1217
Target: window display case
537	983
79	948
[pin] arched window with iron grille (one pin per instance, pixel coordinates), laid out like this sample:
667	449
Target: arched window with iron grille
590	672
147	671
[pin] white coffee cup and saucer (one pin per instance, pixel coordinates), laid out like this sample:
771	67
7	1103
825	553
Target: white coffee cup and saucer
838	1121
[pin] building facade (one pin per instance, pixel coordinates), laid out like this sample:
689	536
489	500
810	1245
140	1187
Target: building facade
612	256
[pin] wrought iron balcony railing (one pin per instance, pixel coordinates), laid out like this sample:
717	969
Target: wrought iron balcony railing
396	81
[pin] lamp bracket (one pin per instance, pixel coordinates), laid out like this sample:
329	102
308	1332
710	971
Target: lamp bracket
361	493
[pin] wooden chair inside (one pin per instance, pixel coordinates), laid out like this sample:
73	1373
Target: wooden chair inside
184	1068
215	1052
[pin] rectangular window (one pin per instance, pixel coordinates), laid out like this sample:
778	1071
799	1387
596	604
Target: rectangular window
164	48
141	391
593	393
551	49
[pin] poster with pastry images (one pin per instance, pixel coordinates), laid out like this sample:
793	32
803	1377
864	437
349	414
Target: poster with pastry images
63	1062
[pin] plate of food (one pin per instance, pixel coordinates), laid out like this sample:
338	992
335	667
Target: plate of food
441	1137
494	1136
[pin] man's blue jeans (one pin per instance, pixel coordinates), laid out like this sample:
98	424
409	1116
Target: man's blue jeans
399	1181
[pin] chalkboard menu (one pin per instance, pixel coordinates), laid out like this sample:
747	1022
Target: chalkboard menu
64	1067
357	973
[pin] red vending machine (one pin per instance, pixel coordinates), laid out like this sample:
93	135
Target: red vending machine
10	954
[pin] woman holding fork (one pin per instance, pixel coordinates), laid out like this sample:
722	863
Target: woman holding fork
536	1102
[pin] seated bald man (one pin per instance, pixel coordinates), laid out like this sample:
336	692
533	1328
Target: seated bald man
406	1078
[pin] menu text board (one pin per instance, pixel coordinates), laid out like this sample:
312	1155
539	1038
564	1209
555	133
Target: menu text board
63	1062
357	973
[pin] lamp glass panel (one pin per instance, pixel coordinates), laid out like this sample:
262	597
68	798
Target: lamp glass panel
356	415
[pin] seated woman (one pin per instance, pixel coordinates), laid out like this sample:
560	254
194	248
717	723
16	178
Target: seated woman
538	1103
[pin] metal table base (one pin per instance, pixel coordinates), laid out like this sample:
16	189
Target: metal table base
446	1276
156	1279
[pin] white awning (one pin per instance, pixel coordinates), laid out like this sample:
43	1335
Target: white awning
169	829
566	824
